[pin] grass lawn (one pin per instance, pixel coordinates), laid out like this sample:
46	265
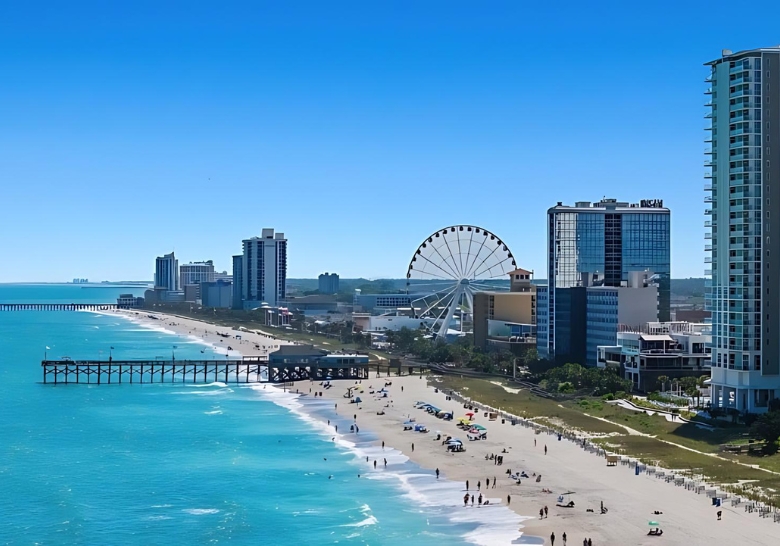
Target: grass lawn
525	404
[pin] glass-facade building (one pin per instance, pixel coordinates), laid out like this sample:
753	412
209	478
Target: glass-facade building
743	238
601	243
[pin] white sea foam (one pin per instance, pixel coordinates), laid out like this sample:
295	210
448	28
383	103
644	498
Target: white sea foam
214	384
200	511
215	412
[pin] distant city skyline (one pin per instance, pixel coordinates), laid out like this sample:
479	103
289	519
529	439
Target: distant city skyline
356	130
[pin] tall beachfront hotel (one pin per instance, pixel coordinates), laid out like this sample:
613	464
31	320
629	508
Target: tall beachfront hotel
743	216
591	246
166	272
264	269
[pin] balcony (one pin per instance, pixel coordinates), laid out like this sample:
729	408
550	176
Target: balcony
708	259
710	78
708	272
707	248
709	199
709	91
707	151
709	175
709	224
709	163
708	187
708	236
708	212
709	115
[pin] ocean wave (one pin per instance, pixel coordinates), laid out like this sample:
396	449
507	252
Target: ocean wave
214	384
370	520
215	412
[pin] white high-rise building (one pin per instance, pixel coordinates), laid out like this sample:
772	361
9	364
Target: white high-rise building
196	273
166	272
743	215
264	269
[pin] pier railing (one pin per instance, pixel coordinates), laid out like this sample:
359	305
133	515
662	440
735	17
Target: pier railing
246	370
58	306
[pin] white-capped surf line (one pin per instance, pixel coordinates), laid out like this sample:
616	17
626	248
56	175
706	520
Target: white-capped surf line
492	524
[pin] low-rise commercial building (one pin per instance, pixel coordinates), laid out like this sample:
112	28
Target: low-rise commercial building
671	349
129	301
507	320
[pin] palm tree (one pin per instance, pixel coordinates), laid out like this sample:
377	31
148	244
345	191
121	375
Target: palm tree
663	379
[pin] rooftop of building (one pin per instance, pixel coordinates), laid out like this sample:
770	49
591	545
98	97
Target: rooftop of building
728	55
207	263
645	205
298	350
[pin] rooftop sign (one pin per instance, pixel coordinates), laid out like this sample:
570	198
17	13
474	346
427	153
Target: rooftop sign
652	203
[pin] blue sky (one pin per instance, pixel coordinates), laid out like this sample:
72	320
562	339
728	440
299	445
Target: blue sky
128	130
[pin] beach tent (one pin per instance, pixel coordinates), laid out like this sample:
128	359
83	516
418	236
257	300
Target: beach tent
454	441
433	409
478	427
358	400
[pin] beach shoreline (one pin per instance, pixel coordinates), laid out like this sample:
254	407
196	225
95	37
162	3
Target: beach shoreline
687	518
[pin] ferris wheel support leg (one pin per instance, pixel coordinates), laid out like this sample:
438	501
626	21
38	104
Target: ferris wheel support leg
470	301
445	325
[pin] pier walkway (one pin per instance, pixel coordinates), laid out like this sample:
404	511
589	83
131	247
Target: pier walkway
58	306
246	370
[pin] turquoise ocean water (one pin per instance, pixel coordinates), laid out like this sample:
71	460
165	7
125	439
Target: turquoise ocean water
175	464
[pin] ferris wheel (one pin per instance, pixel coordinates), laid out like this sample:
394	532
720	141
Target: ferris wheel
448	268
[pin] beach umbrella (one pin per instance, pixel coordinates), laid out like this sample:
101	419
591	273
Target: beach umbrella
653	523
478	427
470	414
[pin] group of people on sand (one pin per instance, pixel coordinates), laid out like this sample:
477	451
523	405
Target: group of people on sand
585	541
480	502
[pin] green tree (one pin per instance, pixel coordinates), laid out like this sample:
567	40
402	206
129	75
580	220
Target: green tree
767	428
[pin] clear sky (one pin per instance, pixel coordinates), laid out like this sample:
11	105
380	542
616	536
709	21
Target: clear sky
130	129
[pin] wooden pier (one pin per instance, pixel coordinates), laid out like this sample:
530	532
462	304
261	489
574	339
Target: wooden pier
246	370
58	306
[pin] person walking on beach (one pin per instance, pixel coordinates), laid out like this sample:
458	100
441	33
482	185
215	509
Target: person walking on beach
720	513
437	473
479	485
385	462
412	447
534	442
552	538
466	499
472	500
467	485
545	449
508	500
541	513
563	536
487	483
494	482
545	511
383	444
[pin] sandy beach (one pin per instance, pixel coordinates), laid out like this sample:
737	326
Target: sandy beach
687	518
